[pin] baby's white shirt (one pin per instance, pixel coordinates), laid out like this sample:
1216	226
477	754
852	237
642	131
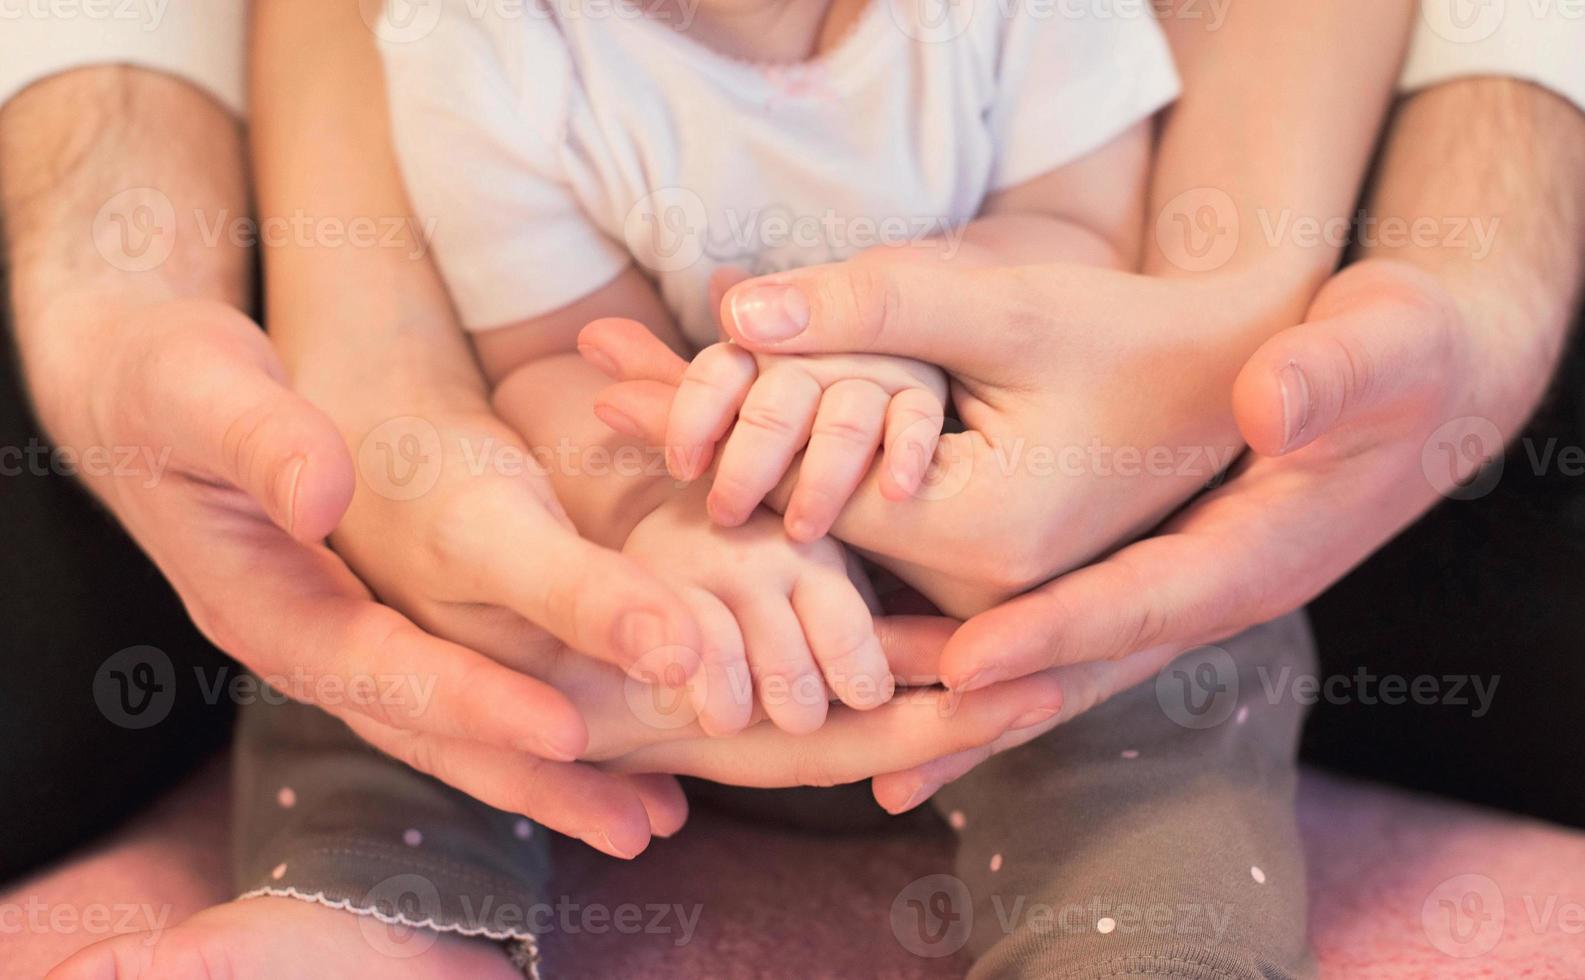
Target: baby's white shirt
546	146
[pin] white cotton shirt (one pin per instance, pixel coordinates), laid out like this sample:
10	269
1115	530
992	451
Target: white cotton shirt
198	41
549	148
1540	41
201	41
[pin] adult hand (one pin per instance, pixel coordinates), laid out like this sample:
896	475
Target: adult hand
1359	424
1341	412
1061	456
241	481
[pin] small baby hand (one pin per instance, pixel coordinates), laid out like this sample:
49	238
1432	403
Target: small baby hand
775	615
838	409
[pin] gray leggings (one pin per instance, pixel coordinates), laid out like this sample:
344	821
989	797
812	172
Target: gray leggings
1151	837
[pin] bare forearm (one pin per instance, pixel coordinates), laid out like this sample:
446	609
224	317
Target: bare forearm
1482	183
1281	106
363	325
119	188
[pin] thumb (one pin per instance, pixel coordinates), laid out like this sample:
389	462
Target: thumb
1377	337
916	310
246	428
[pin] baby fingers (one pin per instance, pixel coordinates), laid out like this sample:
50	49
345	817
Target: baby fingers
786	681
842	442
723	694
837	624
712	390
772	426
913	427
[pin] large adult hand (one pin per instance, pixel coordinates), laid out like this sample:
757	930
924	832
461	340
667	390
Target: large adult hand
1361	419
1094	404
248	481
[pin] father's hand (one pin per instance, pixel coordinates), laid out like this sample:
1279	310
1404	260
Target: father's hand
248	479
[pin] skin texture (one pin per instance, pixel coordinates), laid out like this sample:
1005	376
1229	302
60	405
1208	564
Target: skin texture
457	557
1381	345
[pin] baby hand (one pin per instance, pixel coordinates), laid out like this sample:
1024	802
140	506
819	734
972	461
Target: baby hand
775	616
838	409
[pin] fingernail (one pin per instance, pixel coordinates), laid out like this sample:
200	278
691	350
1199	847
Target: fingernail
802	529
719	512
769	313
601	841
1295	403
620	421
598	359
921	793
903	476
984	677
546	748
1031	718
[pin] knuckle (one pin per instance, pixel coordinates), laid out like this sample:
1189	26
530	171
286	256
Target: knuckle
243	441
770	418
867	296
851	430
848	656
720	366
1143	623
816	498
1356	372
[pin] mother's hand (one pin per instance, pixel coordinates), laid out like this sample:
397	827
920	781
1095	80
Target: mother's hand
1094	402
